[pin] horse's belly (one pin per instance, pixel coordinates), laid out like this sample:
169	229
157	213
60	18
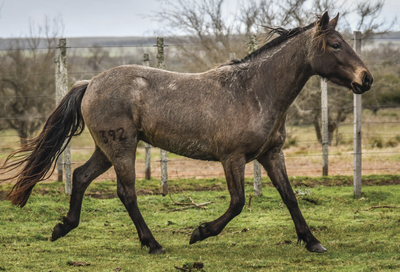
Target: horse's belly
191	148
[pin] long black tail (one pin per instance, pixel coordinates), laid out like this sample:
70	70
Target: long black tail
38	156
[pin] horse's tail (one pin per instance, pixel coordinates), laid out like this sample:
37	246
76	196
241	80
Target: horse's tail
38	155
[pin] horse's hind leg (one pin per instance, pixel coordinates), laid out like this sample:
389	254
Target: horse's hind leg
124	165
274	164
82	177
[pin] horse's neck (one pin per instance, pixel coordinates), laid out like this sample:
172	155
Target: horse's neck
282	72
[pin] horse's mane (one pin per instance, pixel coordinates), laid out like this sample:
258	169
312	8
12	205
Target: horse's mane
283	35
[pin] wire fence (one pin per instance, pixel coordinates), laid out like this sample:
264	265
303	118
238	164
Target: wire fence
303	151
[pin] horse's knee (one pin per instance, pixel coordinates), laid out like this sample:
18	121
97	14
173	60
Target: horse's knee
121	193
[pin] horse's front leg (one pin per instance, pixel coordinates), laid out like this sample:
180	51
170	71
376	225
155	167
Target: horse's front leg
274	164
234	172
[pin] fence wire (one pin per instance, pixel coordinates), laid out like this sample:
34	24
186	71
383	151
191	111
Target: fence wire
381	137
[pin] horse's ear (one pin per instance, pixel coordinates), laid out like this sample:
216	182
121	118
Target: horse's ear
324	21
334	21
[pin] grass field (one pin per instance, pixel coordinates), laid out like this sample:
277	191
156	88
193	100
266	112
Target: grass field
262	238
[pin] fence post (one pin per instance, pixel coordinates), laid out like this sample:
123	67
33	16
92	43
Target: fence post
60	160
147	147
63	88
324	113
251	47
163	153
357	126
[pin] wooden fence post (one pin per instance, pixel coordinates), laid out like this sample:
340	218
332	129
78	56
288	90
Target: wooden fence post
357	126
163	153
63	89
147	147
60	160
324	114
251	47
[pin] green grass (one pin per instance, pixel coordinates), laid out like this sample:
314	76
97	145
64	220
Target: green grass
357	239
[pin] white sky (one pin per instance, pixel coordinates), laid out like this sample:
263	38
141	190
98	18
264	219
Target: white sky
100	17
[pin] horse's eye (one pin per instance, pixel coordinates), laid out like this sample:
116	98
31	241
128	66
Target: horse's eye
336	46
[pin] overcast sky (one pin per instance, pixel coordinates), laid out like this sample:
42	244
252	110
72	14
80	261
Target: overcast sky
99	17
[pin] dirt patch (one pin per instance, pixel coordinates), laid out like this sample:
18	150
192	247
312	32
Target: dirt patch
286	242
340	181
101	194
181	168
78	263
144	192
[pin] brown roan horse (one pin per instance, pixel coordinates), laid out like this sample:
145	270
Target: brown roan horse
234	114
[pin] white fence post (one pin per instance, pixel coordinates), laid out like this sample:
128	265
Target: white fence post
251	47
163	153
324	113
357	126
147	147
60	160
62	87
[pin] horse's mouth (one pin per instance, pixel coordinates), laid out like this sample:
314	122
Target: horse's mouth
359	89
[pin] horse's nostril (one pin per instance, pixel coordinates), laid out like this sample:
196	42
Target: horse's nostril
367	80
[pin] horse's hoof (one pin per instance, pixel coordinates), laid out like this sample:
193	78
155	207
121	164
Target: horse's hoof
57	232
196	236
318	248
157	251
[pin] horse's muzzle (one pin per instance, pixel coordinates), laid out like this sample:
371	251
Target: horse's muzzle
366	84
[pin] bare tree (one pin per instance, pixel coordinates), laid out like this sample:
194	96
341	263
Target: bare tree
97	56
27	79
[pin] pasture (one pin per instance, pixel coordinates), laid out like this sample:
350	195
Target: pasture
262	238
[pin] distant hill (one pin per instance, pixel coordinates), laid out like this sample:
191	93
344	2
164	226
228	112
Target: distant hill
83	42
89	42
395	36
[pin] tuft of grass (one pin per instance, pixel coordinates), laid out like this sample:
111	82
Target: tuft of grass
376	142
391	143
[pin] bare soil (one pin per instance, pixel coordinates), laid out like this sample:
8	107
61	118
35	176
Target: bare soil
297	165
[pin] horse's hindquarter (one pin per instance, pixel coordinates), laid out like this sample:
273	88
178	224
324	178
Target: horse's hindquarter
193	115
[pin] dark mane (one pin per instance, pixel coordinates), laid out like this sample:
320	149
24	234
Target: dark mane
283	35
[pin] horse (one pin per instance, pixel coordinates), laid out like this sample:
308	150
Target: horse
234	114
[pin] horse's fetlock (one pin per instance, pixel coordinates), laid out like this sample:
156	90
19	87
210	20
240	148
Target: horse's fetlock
74	224
145	241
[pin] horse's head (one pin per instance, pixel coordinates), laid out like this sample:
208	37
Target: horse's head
333	58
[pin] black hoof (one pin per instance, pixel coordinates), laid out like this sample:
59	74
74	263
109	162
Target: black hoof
318	248
58	232
157	251
196	236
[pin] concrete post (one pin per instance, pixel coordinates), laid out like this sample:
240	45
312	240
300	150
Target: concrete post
147	147
357	127
63	87
324	113
163	153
